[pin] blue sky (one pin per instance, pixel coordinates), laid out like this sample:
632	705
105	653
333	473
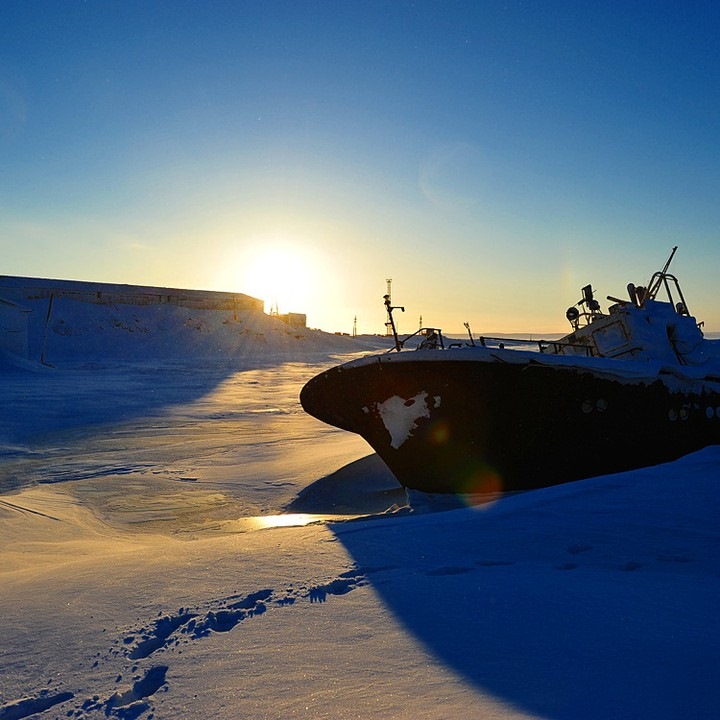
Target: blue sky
489	157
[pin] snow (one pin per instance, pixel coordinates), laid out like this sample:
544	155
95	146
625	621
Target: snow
180	540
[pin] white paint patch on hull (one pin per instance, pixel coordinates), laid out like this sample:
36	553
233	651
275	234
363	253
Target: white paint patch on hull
399	416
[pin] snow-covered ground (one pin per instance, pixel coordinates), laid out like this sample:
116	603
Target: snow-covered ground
179	540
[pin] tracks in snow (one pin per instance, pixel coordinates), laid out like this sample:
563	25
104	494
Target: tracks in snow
164	634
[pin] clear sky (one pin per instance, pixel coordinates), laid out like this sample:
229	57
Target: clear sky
491	157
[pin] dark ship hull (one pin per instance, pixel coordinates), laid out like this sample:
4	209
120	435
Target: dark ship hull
481	420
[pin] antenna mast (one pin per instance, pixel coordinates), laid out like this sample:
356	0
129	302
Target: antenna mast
659	277
389	322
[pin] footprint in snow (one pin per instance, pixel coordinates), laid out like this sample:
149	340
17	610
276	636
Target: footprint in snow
31	706
340	586
164	631
133	702
169	630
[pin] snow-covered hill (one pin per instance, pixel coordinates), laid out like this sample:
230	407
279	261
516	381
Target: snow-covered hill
72	325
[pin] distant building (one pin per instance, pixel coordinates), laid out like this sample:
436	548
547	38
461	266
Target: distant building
19	289
294	319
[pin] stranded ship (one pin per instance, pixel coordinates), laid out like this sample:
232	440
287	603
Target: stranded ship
634	386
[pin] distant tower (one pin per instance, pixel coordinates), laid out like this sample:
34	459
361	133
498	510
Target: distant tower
355	327
388	322
420	326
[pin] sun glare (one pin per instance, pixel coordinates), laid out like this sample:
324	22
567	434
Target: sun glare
282	274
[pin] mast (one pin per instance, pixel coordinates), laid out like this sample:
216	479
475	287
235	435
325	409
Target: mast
391	322
658	278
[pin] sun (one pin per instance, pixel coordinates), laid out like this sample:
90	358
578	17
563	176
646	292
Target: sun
289	272
283	274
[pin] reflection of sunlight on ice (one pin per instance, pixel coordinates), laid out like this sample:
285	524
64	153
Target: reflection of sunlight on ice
291	520
266	522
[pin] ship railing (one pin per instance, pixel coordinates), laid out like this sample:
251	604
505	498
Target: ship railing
558	348
553	347
666	280
433	339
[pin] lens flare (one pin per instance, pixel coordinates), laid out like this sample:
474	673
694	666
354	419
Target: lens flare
439	433
483	487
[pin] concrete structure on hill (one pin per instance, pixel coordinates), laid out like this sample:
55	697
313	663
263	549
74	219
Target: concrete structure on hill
19	289
13	327
27	305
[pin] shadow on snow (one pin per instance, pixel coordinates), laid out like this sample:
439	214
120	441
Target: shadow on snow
568	611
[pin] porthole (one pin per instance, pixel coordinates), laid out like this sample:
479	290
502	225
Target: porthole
589	405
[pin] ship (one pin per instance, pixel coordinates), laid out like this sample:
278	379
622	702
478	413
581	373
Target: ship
634	386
